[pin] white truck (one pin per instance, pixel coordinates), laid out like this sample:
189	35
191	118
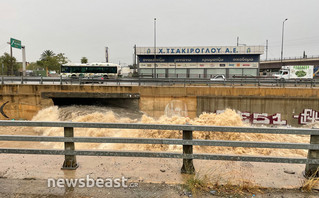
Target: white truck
295	72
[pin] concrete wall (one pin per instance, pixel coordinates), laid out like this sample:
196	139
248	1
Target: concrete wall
26	100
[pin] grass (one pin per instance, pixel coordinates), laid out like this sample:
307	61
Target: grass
308	184
200	184
197	184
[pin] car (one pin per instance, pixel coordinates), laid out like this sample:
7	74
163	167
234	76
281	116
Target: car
95	79
218	78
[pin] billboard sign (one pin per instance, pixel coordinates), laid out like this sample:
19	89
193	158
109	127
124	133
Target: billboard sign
199	58
15	43
201	50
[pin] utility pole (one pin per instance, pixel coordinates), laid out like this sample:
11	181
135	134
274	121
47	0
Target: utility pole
237	41
266	49
155	47
134	59
107	54
282	39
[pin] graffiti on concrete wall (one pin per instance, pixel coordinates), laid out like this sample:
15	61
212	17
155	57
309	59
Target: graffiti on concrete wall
1	109
176	108
307	116
260	118
263	118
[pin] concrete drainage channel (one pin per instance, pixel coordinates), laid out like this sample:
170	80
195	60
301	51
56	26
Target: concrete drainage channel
124	100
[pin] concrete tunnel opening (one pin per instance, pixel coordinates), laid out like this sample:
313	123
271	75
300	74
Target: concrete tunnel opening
119	100
106	102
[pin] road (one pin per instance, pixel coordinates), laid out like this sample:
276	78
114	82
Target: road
159	82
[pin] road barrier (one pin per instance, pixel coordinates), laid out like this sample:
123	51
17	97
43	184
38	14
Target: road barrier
70	162
162	81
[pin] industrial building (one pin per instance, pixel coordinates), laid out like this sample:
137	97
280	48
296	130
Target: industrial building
198	62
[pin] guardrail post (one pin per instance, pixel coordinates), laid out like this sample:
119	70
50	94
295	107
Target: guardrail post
41	81
70	160
311	82
21	80
312	154
188	167
2	80
60	80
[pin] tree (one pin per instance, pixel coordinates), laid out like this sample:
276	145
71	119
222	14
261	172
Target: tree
50	61
33	66
7	60
84	60
62	59
47	54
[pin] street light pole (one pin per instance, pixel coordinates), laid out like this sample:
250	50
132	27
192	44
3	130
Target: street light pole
155	48
282	39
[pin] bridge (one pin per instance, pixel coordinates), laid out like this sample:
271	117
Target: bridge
294	106
275	64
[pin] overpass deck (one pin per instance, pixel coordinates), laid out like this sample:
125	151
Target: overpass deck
276	63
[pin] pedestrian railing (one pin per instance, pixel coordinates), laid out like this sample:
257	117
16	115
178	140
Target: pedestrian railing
70	153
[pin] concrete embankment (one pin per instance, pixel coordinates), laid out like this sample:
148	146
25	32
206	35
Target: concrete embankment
24	101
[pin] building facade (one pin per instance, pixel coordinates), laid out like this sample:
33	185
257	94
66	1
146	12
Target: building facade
198	62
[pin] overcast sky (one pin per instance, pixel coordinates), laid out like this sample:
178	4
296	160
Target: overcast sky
85	27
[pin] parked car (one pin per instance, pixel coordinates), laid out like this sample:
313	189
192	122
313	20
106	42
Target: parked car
218	78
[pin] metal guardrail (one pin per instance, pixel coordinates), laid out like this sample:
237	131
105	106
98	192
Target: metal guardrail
70	162
163	81
291	58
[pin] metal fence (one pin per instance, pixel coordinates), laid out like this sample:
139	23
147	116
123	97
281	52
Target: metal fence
70	162
291	58
162	81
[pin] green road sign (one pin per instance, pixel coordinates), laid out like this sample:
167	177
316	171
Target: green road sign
15	43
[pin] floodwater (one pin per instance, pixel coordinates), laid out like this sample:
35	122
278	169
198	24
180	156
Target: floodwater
142	169
120	115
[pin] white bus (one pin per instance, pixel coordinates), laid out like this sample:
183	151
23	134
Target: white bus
105	70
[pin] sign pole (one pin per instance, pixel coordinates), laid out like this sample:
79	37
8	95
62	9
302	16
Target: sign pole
11	63
23	60
16	44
